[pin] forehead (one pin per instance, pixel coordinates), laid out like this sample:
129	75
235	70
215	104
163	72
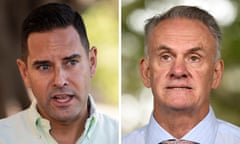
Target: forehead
183	32
56	41
65	35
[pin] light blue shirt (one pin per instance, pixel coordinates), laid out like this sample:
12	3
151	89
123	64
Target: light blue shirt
209	131
28	127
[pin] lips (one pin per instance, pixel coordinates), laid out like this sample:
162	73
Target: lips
180	84
179	87
62	98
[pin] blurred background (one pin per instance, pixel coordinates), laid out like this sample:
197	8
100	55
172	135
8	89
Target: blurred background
101	20
136	99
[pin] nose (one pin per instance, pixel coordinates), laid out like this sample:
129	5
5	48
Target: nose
179	69
60	79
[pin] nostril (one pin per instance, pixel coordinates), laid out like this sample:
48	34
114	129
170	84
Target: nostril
184	75
60	85
178	76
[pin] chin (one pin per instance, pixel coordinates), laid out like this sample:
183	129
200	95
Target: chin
65	119
65	116
181	107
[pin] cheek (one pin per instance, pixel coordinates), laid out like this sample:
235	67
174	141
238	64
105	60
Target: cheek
80	78
158	76
39	87
202	78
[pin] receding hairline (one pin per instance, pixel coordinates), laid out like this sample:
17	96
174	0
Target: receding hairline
193	23
186	12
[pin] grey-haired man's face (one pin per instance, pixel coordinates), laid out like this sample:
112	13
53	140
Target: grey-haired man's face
180	68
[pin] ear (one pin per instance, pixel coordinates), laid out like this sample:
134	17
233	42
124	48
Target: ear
144	72
218	73
93	60
23	71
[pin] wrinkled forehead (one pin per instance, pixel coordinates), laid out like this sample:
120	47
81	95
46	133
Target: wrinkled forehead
59	42
174	25
181	32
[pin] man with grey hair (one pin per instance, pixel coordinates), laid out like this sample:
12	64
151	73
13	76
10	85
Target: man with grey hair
182	65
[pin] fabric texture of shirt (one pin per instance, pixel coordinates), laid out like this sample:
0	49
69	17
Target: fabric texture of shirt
209	131
28	127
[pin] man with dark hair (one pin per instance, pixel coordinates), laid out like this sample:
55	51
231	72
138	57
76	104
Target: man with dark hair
57	65
182	65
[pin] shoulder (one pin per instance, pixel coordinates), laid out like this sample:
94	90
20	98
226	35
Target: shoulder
137	136
228	131
103	130
13	120
106	121
13	127
228	128
106	130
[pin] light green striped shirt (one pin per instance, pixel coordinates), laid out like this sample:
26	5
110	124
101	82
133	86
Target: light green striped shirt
29	127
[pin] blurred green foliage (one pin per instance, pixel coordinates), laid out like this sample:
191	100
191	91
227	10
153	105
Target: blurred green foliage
101	21
225	100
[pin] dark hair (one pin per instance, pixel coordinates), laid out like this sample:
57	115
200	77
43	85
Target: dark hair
189	12
51	16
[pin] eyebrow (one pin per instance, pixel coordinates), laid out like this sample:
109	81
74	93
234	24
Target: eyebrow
39	62
43	62
168	49
164	48
73	56
195	49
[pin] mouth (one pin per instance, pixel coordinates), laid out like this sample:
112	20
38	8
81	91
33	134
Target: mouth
179	88
62	98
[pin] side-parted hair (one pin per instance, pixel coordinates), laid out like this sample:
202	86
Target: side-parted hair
48	17
188	12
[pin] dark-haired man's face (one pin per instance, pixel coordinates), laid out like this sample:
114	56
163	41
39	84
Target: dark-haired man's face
58	71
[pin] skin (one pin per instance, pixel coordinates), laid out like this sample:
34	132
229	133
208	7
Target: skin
181	70
58	71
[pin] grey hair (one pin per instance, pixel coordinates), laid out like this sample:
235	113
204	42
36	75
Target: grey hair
188	12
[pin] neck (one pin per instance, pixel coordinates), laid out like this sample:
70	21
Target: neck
179	122
68	132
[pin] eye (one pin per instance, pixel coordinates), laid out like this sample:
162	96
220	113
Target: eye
72	62
194	58
166	57
43	67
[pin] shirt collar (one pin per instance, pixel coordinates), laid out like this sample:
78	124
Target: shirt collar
37	120
203	132
91	121
155	133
